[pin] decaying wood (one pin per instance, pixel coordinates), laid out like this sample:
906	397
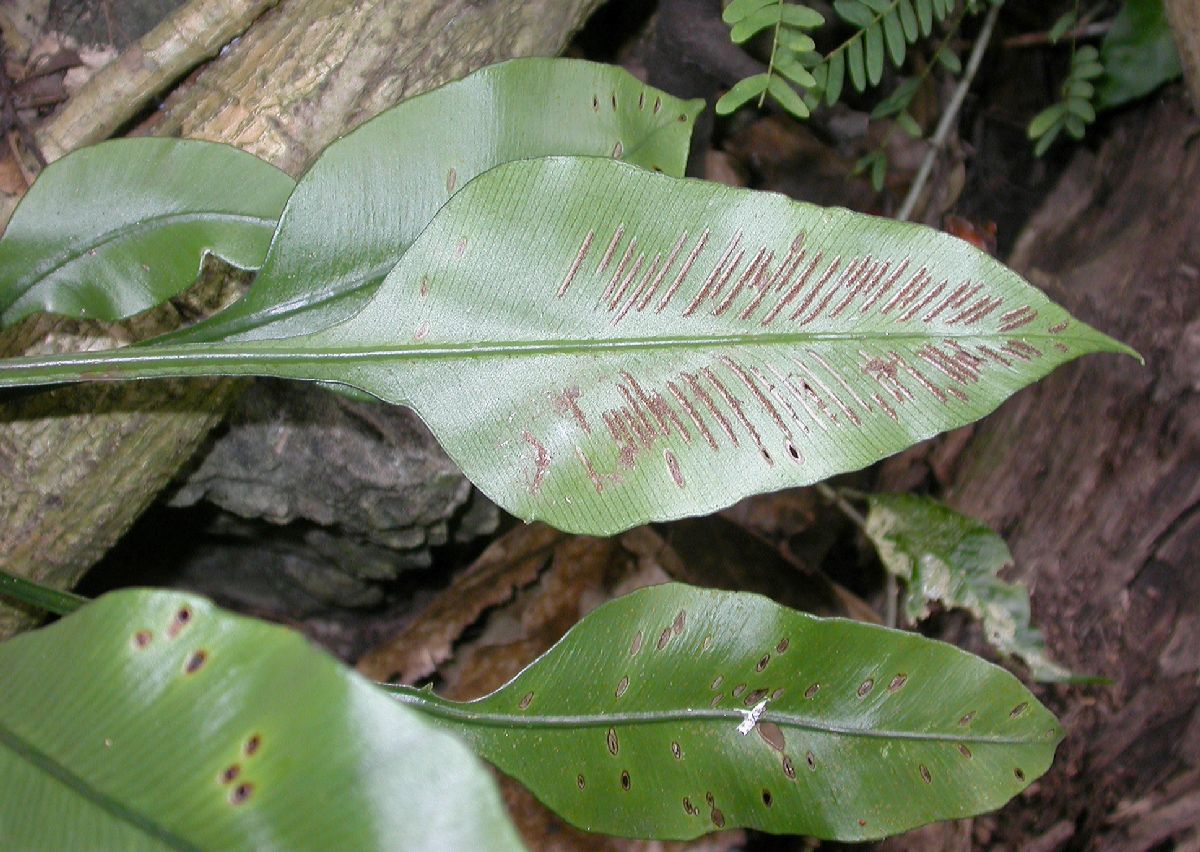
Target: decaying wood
1184	16
79	465
1093	475
187	37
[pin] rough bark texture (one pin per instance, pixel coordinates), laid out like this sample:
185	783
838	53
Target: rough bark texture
1093	475
1184	16
306	72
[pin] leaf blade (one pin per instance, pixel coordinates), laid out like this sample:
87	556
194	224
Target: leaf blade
165	722
651	747
138	233
597	393
343	228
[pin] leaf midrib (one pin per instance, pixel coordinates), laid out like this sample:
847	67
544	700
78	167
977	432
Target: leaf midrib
27	751
466	715
62	259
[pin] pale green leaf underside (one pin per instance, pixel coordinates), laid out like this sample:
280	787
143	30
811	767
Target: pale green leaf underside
629	725
116	734
111	230
946	557
369	195
598	346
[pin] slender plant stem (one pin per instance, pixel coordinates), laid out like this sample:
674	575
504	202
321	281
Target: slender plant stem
36	595
950	115
832	495
891	590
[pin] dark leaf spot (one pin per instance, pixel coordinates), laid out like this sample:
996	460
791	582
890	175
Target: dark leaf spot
717	699
897	682
614	100
865	687
657	104
253	744
963	750
754	697
811	760
196	661
618	150
793	452
622	686
595	102
762	664
614	745
782	646
625	782
664	638
182	618
229	773
1019	773
526	700
717	681
788	769
240	793
676	750
580	782
862	823
777	694
680	622
718	818
811	692
739	689
772	735
925	776
636	645
688	807
682	117
1019	710
967	719
142	638
766	797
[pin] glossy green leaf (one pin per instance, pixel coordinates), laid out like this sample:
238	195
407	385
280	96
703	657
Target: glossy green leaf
1044	120
369	195
949	60
948	558
155	720
1138	53
742	91
1065	21
633	723
111	230
598	346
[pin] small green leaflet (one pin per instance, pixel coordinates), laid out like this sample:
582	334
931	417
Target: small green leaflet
676	711
945	557
151	720
598	346
111	230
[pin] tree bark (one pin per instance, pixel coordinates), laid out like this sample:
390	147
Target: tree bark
1093	475
1184	16
79	464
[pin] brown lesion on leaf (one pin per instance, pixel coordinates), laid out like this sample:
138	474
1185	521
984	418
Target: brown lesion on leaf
872	296
612	247
573	270
566	403
451	180
1017	318
830	271
721	271
1059	328
541	461
684	271
1022	350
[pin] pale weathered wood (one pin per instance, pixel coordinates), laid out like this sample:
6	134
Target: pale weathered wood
77	466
